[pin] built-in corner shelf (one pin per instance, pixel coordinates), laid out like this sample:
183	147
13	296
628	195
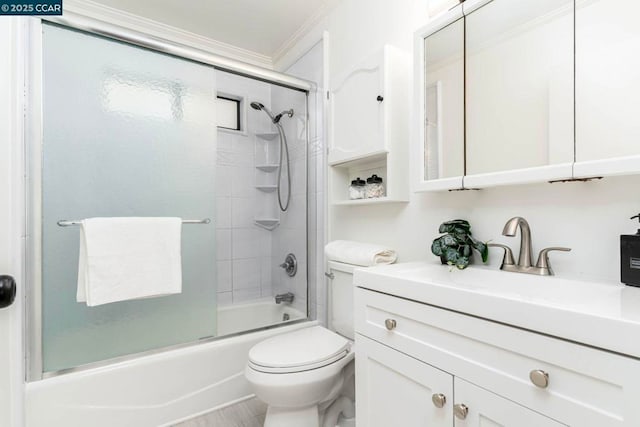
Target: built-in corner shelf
267	153
267	223
267	188
269	136
267	167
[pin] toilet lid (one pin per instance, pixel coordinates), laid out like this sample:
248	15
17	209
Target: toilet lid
299	350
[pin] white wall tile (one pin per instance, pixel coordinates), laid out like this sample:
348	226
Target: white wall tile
223	244
246	273
224	282
223	212
244	295
225	298
243	210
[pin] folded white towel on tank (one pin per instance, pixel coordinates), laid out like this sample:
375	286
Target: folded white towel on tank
357	253
128	258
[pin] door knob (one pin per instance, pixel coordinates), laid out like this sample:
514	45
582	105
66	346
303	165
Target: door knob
439	400
460	411
379	98
7	291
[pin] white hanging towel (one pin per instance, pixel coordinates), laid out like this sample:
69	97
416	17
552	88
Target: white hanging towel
128	258
356	253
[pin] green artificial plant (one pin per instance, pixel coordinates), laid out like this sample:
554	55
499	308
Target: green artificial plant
454	247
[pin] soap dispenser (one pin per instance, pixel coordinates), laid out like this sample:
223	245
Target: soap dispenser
630	258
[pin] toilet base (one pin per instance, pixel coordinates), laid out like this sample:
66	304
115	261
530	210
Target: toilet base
290	417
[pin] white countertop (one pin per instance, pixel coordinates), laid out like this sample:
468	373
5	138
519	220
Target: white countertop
603	315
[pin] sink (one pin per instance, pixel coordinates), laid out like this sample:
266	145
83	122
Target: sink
594	313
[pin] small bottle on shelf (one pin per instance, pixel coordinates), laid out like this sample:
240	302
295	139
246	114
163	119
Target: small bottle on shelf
357	189
374	187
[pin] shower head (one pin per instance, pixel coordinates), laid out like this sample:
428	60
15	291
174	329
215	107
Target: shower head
259	106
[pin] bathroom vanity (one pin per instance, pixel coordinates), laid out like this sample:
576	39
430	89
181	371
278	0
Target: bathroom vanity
441	347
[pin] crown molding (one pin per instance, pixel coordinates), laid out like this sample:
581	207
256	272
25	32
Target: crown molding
93	10
298	36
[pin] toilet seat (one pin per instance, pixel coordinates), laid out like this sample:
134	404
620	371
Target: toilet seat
302	350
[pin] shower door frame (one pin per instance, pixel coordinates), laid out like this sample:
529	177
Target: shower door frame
30	36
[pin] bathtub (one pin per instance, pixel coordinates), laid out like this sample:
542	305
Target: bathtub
162	388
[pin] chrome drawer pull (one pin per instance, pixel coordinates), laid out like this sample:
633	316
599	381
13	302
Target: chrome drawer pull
460	411
539	378
390	324
439	400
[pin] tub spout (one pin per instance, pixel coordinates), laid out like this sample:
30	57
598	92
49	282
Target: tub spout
288	297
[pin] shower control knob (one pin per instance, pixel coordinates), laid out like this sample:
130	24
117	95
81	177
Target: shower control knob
380	98
7	291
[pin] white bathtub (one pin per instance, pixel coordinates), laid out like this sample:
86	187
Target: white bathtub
159	389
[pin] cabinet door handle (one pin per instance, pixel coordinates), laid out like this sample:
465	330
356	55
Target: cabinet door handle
379	98
439	400
539	378
460	411
390	324
7	291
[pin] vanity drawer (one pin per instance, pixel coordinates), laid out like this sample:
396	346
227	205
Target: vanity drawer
586	386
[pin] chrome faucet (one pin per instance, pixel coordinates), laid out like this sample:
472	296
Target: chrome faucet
288	297
525	264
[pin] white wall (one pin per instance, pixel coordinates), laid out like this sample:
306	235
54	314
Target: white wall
585	216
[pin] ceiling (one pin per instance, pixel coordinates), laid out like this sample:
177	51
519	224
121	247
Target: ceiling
260	26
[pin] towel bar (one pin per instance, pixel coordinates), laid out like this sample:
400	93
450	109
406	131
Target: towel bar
69	223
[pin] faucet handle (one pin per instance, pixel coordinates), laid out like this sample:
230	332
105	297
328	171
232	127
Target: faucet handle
543	258
508	255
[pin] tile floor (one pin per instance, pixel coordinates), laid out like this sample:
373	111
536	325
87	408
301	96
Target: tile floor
249	413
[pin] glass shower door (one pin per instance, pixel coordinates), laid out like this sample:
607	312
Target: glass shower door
126	132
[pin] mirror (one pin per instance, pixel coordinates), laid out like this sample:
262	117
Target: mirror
444	102
519	85
607	81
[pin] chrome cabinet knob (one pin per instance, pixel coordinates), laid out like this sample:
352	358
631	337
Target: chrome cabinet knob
390	324
460	411
539	378
439	400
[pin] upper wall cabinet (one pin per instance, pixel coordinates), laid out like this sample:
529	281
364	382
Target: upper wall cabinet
369	127
368	107
438	157
607	87
519	91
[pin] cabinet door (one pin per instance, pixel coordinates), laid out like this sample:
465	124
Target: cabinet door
486	409
519	91
394	389
607	87
357	112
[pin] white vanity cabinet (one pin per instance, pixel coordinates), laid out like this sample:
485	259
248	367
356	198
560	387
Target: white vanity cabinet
411	345
398	390
369	127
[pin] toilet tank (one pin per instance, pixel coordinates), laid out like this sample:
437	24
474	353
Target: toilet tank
340	303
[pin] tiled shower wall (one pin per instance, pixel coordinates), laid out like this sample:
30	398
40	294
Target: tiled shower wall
248	257
243	250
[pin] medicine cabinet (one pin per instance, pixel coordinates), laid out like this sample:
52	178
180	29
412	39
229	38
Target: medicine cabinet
502	86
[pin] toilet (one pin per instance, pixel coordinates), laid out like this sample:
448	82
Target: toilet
306	376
